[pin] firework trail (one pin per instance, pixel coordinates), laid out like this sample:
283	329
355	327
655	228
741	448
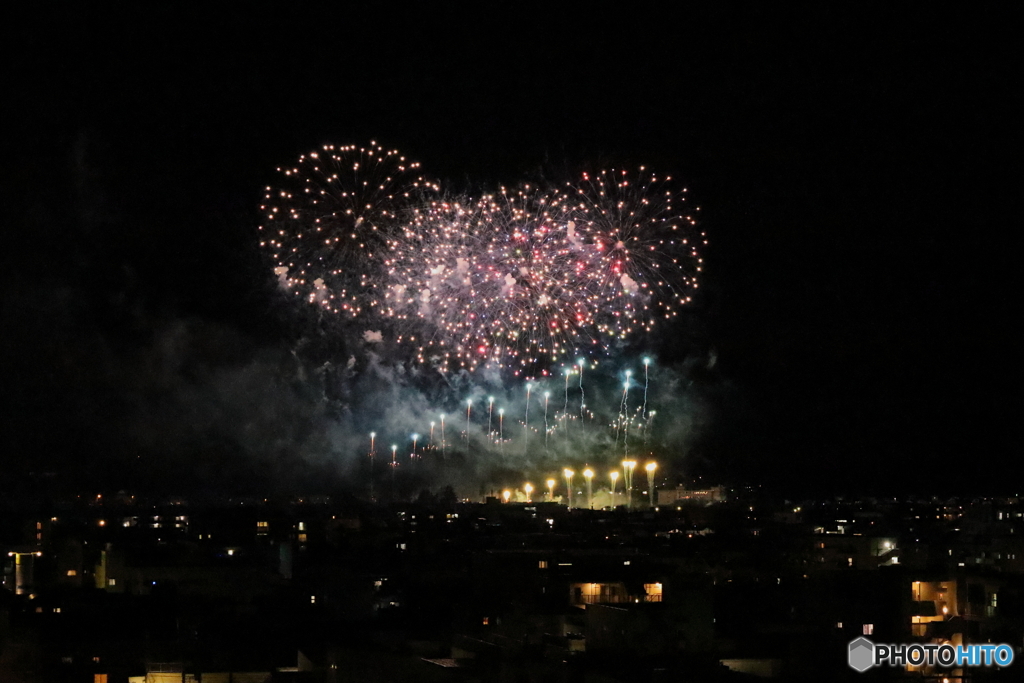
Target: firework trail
526	421
647	362
547	396
644	416
621	421
565	409
647	426
394	467
373	455
501	431
583	399
490	413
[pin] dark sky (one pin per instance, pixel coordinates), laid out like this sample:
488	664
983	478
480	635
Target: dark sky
853	169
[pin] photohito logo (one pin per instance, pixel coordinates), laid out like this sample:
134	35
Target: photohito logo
863	654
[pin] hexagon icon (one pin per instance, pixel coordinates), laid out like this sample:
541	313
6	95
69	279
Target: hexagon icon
861	654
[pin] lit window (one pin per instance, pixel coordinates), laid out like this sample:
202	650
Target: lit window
72	572
543	564
849	560
839	624
111	582
302	526
487	620
312	599
868	629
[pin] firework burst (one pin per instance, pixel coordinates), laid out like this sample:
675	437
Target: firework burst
520	278
644	248
491	279
328	218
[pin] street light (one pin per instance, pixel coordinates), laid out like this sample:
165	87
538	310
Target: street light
551	489
615	480
528	487
589	475
24	577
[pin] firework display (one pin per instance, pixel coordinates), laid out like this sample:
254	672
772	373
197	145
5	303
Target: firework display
520	278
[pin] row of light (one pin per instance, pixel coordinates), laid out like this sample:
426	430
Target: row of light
627	466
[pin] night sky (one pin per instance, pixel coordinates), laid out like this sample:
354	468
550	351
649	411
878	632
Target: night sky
853	171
